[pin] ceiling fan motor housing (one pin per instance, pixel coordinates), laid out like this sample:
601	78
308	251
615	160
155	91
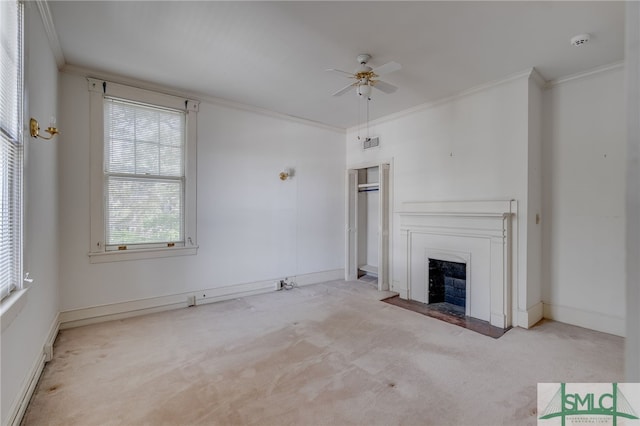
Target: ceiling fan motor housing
363	58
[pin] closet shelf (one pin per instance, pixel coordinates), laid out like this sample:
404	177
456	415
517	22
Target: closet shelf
369	268
368	185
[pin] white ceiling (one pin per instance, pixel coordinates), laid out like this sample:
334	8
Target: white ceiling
274	54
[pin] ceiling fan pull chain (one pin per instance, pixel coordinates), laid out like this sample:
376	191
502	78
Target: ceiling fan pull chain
368	100
359	120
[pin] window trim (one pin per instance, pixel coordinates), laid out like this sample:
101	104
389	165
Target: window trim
16	289
11	306
98	89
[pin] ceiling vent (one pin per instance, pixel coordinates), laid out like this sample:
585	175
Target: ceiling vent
371	142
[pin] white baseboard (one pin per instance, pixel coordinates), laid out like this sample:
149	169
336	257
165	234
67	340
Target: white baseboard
115	311
587	319
403	293
319	277
51	338
20	404
498	320
528	318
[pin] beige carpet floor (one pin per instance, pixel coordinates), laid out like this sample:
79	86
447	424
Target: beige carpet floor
327	354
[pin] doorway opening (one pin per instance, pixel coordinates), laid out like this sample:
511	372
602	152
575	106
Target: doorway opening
367	239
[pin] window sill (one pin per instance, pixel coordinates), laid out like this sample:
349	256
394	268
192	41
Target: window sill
138	254
11	306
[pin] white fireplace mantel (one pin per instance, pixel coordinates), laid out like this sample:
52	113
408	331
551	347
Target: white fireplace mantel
482	231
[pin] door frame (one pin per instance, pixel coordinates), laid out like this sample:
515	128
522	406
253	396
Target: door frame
385	236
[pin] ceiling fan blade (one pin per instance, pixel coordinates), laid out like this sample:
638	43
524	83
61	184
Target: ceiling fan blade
346	74
345	89
387	68
384	86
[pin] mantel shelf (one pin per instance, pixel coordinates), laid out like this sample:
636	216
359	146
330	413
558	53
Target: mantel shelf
488	208
463	214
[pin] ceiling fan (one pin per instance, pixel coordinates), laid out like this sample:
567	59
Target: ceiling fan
365	77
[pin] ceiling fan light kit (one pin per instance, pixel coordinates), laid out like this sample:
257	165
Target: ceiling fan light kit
366	76
364	90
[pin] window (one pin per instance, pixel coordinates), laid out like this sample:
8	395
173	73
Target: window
11	151
143	173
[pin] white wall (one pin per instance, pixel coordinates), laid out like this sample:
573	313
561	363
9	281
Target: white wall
23	340
558	152
534	195
473	147
632	90
251	225
584	201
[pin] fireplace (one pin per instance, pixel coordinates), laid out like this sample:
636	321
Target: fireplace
475	235
447	283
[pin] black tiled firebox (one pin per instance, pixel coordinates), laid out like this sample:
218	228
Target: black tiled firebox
447	282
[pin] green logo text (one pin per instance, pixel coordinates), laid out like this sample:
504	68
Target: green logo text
612	404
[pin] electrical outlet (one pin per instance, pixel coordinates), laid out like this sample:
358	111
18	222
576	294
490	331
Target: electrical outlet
191	300
279	285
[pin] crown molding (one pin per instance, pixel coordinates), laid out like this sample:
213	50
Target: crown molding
531	73
463	94
585	74
50	30
140	84
538	78
263	111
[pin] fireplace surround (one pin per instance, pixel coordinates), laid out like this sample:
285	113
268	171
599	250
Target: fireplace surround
477	234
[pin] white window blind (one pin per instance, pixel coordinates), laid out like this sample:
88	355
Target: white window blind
144	175
11	152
